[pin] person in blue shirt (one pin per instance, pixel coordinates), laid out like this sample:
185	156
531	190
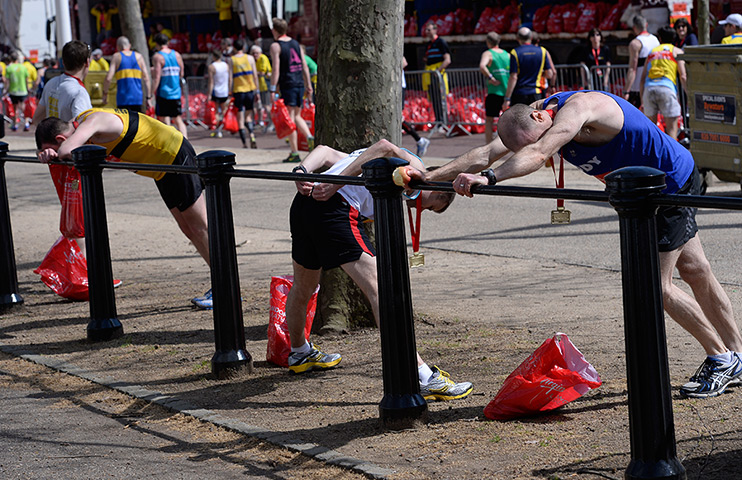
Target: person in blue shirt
529	65
599	133
166	77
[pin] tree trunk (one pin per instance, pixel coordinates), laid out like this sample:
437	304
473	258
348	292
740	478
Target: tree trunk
132	27
359	101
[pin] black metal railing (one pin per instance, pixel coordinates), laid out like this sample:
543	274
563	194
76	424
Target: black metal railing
634	192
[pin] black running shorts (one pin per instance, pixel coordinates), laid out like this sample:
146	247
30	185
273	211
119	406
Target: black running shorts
326	234
677	225
181	190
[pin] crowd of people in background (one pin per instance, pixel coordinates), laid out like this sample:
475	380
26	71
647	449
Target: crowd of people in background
249	79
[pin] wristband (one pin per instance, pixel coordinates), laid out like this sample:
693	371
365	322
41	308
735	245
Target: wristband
490	174
507	99
492	77
272	88
299	167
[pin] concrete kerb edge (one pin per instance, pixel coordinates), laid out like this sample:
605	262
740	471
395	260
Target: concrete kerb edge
280	439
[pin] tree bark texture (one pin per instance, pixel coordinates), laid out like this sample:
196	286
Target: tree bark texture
359	101
132	27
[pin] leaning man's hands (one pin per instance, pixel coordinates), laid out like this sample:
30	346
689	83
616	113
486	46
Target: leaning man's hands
47	155
464	181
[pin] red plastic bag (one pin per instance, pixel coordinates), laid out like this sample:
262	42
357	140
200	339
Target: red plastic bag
65	270
540	18
555	22
67	182
230	120
589	17
554	375
9	108
209	114
29	107
307	113
281	119
279	343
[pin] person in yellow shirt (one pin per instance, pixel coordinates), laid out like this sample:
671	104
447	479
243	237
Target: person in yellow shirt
244	88
732	29
659	85
33	75
2	75
103	14
263	67
135	137
224	7
97	62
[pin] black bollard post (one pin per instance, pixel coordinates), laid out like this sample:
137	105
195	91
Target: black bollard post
651	425
402	405
229	329
9	296
104	324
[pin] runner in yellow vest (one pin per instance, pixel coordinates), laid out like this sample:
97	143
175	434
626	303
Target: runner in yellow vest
136	138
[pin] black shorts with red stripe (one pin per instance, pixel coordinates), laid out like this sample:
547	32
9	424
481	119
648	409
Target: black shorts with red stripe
326	234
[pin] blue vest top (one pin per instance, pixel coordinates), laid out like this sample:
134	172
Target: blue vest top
129	81
169	87
639	143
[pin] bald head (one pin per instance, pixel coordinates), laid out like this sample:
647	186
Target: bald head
517	128
525	35
122	43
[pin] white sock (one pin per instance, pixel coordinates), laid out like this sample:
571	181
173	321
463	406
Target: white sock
725	358
424	373
303	349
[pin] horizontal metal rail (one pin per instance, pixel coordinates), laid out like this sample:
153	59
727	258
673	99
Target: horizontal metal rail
695	201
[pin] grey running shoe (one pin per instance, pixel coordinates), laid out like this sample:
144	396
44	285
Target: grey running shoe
422	146
441	387
314	360
712	378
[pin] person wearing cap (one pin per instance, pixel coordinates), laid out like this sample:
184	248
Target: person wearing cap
97	62
732	29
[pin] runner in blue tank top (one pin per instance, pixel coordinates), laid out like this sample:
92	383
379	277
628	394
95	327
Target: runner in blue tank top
166	76
600	133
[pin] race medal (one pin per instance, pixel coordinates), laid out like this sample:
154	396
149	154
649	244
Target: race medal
560	216
417	260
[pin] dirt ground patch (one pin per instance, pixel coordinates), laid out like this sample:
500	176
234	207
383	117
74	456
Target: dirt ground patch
477	327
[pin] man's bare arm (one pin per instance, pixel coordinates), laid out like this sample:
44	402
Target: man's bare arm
634	49
473	161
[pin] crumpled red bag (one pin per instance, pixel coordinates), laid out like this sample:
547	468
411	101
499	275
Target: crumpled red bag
281	119
540	18
230	120
552	376
307	113
67	182
65	270
9	108
279	342
29	106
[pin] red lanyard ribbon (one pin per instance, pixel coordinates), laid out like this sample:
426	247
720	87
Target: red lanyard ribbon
560	181
78	80
415	228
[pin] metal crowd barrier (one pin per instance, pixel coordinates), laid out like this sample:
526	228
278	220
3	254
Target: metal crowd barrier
610	79
634	192
192	87
426	92
571	77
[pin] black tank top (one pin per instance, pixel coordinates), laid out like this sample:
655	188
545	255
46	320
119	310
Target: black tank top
291	69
